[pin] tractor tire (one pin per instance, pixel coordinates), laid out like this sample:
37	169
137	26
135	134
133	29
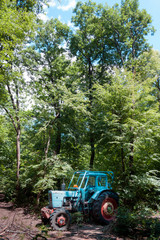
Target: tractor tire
105	207
60	219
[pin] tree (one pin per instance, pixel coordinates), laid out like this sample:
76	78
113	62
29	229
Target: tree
120	121
14	85
54	84
15	25
17	21
50	36
125	31
84	46
129	28
107	37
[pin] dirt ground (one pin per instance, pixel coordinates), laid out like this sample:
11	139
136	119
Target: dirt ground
18	224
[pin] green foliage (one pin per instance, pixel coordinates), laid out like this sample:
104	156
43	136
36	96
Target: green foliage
7	158
137	224
44	175
122	106
140	191
84	43
8	182
11	34
78	218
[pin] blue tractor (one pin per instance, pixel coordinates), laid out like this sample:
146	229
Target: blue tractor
89	192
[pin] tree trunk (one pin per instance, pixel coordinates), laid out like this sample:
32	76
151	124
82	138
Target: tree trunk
18	155
38	198
90	72
58	138
131	157
47	147
92	150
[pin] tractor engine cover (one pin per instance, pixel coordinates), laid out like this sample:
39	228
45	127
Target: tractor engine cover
56	198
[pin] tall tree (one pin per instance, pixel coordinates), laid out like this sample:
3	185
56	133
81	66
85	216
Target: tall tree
14	84
50	68
125	28
115	116
84	46
17	23
107	37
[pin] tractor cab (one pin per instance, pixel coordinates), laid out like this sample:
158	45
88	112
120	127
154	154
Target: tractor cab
89	182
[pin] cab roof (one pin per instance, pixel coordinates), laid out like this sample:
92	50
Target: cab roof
93	173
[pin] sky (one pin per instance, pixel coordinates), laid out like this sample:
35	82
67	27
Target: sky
62	9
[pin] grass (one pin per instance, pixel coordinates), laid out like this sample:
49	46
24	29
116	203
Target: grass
4	218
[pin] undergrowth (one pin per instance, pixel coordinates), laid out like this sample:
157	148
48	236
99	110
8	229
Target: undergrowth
136	224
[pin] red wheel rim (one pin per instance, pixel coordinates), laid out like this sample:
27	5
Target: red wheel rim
108	209
61	221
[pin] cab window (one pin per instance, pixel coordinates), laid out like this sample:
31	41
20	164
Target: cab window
91	181
101	181
84	183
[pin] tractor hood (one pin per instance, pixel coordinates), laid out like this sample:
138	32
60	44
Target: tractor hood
56	198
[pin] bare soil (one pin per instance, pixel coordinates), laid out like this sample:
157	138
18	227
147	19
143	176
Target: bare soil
18	224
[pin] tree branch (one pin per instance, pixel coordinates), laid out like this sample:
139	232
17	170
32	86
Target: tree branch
11	96
11	117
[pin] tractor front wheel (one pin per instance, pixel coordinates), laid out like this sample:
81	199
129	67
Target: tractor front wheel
105	207
60	219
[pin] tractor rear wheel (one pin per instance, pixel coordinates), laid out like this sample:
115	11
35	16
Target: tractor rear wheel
60	219
105	207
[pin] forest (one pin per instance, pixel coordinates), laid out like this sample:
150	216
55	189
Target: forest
85	97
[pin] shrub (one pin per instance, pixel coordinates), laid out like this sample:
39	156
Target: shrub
137	224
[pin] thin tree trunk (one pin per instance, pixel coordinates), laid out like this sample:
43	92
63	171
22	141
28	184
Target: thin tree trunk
58	138
16	124
131	157
18	155
47	147
38	198
92	141
18	133
92	150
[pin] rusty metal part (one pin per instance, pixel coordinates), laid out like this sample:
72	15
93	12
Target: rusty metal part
46	212
61	221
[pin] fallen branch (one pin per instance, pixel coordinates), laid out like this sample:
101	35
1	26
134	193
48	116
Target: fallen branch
20	232
9	224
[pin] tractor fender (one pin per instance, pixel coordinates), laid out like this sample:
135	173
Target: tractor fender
98	193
